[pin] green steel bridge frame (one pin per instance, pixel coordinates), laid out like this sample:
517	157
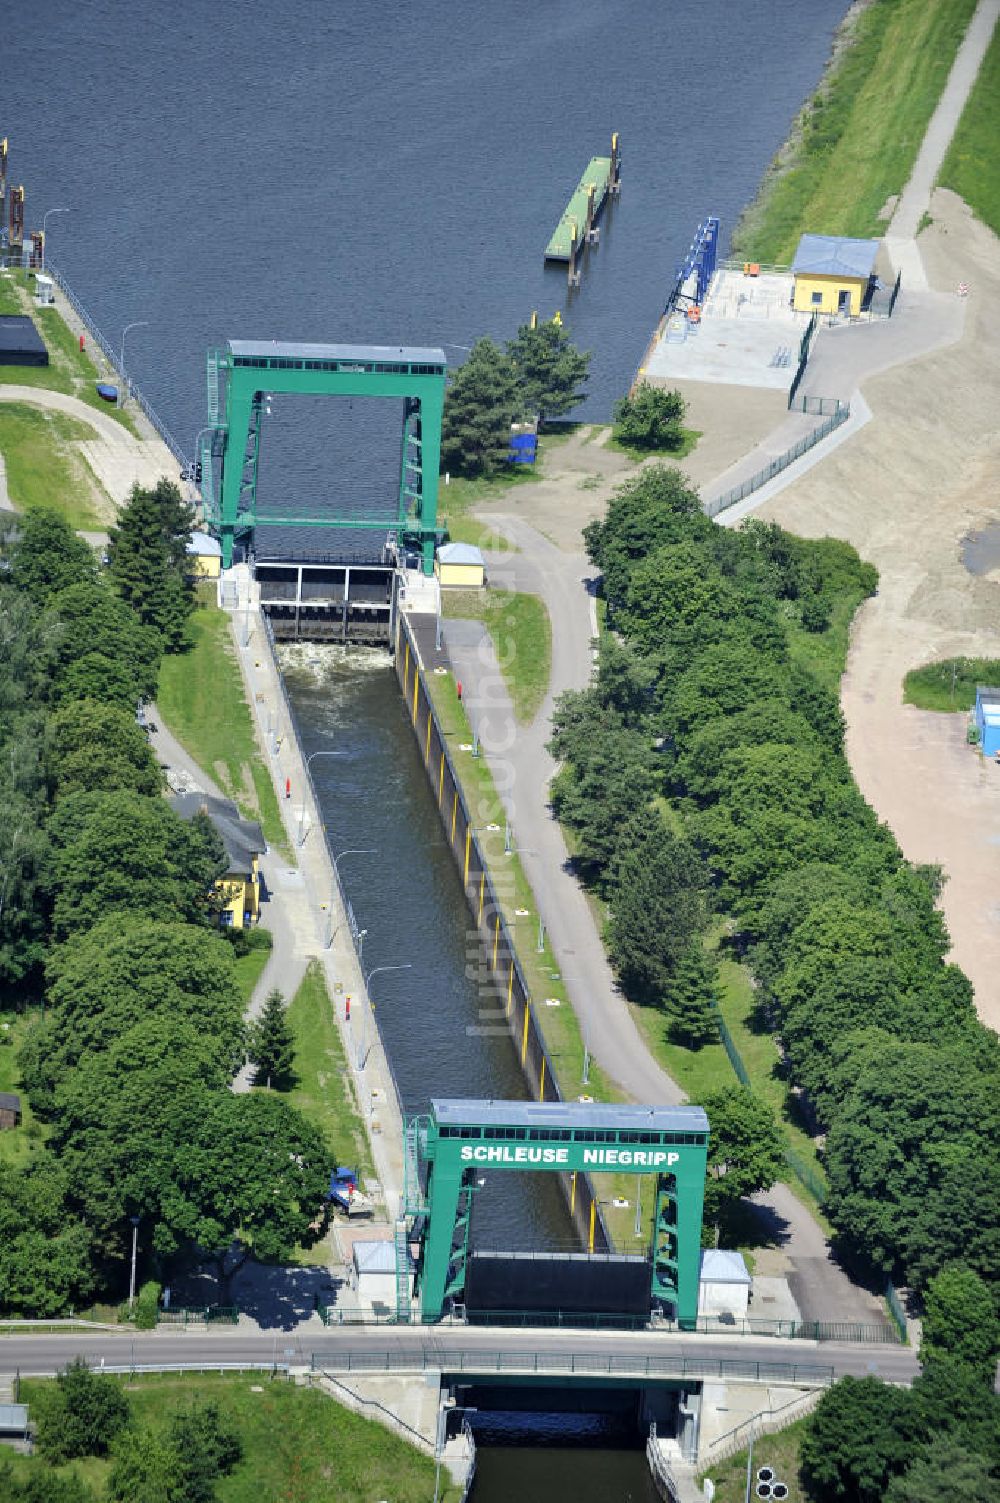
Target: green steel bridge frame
249	370
461	1139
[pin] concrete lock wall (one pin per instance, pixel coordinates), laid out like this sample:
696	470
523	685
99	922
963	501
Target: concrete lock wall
500	960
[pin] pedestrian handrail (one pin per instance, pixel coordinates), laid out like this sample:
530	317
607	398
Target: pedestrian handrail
766	1422
747	487
184	1315
386	1416
437	1358
112	358
663	1478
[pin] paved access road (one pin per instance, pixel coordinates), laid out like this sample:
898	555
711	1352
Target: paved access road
463	1346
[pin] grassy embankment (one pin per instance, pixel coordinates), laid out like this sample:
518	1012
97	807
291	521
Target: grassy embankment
44	469
779	1451
201	699
322	1080
970	168
70	369
522	638
950	684
297	1443
855	142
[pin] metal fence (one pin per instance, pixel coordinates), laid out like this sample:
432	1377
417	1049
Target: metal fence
113	360
739	492
817	406
896	1310
182	1315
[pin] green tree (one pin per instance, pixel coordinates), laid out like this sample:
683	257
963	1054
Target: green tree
91	746
859	1436
102	649
651	509
944	1468
145	1466
657	907
148	560
689	994
256	1174
550	371
82	1415
480	405
44	1249
961	1322
126	852
271	1043
745	1149
650	419
206	1447
45	554
127	970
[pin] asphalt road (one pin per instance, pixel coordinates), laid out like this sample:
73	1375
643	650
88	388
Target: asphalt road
405	1348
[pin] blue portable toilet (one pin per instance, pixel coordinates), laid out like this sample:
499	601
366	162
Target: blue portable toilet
987	718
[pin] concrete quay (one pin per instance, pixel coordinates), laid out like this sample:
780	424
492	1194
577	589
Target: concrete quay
310	894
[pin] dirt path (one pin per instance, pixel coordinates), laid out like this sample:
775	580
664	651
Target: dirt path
905	491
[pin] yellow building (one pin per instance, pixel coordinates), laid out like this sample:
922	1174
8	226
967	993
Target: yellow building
238	892
204	556
460	566
833	274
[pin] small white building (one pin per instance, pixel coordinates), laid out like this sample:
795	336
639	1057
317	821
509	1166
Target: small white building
374	1273
725	1285
45	290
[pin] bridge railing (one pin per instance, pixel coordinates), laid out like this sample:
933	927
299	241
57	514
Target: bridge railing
438	1358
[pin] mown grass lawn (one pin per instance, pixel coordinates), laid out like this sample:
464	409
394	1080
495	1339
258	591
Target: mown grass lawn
861	132
44	470
970	168
298	1443
323	1091
200	696
522	638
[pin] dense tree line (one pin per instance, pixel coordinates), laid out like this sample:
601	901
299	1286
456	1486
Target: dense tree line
867	1441
107	921
703	775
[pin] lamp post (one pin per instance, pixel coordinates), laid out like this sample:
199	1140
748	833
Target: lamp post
45	217
139	323
302	806
354	850
135	1238
366	1005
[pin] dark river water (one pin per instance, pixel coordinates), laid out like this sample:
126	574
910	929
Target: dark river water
388	172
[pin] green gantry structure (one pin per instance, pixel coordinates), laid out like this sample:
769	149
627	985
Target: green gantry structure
448	1151
241	377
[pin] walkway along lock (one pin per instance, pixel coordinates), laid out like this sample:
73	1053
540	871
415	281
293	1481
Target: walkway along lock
461	1139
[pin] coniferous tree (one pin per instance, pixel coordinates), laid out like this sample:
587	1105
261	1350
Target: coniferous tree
271	1044
479	408
148	559
551	372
